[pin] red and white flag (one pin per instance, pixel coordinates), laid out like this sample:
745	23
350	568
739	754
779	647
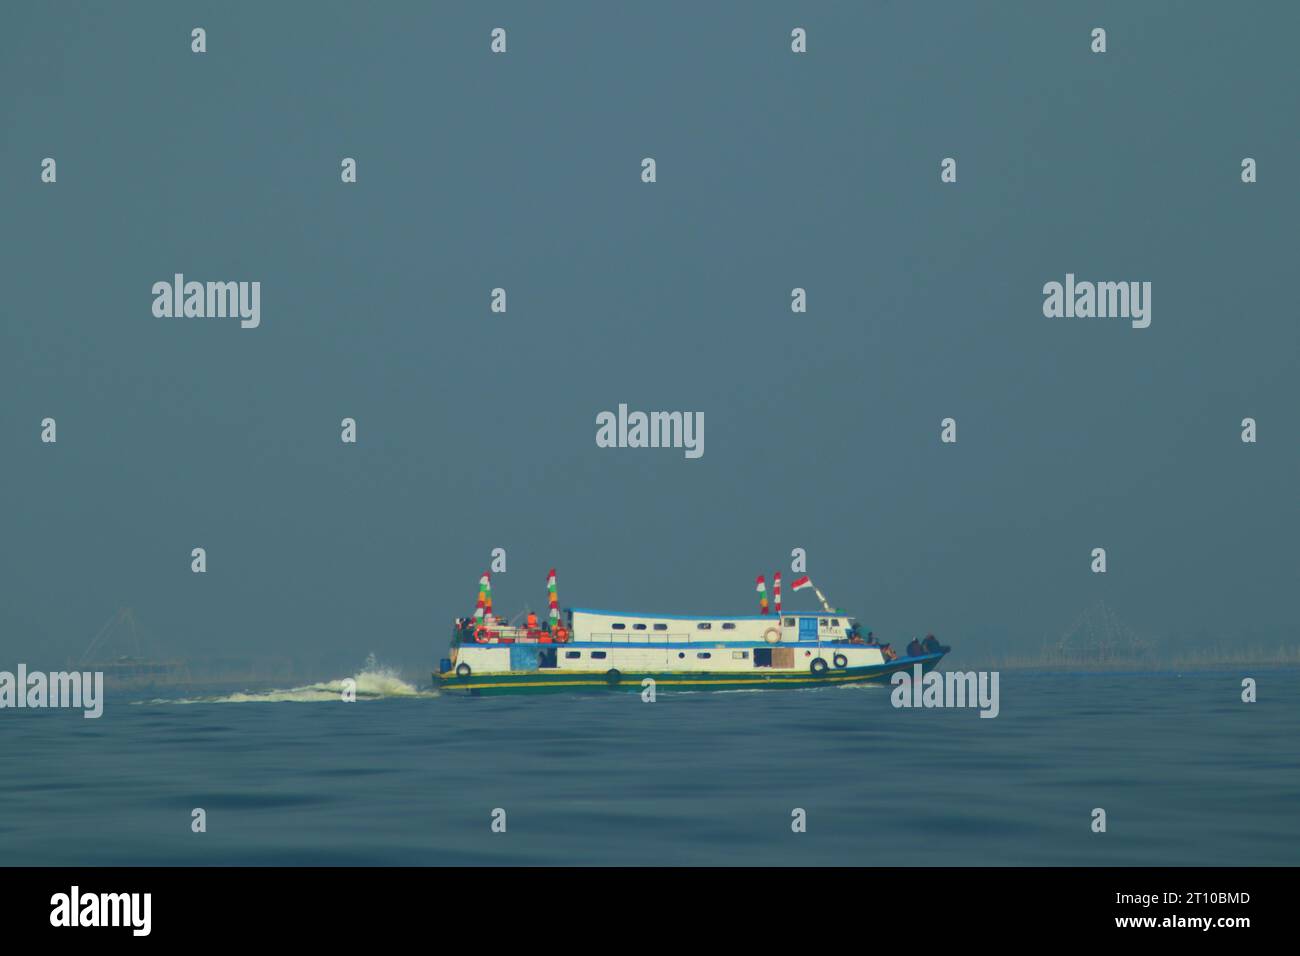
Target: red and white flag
798	584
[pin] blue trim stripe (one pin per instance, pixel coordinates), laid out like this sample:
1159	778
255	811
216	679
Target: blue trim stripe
682	645
828	646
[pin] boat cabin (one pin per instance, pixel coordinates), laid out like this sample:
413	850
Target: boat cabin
616	627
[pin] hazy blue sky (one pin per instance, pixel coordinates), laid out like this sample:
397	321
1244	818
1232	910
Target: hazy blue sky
523	171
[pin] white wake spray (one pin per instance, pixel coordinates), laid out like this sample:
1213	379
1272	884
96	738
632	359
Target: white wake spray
373	682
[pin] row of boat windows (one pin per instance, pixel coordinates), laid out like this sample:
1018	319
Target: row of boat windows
708	625
702	655
703	626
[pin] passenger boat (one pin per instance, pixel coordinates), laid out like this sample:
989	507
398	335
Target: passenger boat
587	650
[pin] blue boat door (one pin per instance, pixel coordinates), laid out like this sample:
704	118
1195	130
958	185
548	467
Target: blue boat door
807	628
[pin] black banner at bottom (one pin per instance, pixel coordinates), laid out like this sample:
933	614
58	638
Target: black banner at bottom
333	905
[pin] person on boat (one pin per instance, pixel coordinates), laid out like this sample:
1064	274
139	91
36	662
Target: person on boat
934	647
914	649
871	639
561	633
532	621
888	652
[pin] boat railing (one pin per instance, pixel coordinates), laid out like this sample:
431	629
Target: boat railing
503	634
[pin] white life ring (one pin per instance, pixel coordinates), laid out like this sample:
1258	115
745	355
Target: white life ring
772	635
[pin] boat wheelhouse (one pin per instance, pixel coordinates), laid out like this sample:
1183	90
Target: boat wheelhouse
584	649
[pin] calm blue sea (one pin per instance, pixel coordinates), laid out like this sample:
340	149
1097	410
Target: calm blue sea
1186	773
